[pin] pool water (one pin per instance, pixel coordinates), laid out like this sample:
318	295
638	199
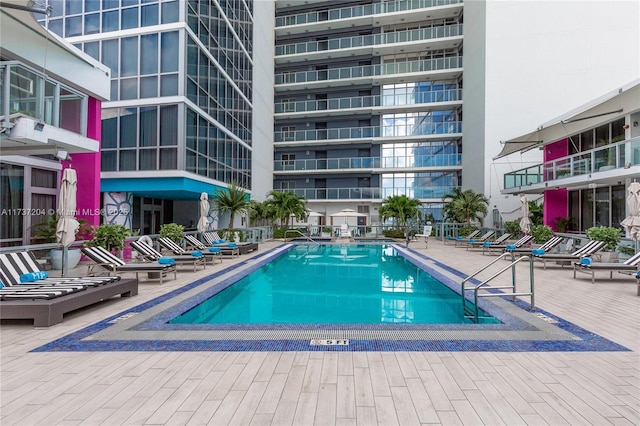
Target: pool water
333	284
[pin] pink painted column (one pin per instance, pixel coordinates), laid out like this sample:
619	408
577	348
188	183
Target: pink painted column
556	201
88	169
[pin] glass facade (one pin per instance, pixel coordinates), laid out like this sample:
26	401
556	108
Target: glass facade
184	95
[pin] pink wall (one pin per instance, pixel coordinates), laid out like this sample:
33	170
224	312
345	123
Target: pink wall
88	169
556	201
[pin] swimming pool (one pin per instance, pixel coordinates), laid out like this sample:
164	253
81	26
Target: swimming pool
334	284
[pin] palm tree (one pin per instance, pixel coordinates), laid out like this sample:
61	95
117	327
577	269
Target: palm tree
399	207
286	203
260	212
464	206
231	200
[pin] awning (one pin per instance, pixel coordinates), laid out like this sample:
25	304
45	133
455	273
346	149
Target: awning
612	105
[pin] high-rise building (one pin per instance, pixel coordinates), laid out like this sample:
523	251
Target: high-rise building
179	121
368	102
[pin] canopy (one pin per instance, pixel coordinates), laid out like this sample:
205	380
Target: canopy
525	222
203	222
67	224
614	104
631	223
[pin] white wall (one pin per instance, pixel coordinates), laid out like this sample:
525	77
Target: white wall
544	58
263	82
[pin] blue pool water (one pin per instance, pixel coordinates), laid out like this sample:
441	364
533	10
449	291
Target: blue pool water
333	284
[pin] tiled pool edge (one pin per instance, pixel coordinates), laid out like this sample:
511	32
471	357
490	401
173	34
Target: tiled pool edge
74	341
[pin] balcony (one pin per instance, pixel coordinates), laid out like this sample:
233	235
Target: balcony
346	106
373	132
443	37
614	157
353	13
339	193
371	74
40	115
368	163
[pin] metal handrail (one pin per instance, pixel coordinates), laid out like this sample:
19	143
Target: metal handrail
483	285
301	234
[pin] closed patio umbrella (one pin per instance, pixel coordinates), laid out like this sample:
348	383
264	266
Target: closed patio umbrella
67	224
203	222
631	223
525	222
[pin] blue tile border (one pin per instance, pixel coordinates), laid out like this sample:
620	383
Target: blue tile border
75	341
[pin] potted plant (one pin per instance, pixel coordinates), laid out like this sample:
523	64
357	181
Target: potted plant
111	236
45	233
172	231
611	236
541	233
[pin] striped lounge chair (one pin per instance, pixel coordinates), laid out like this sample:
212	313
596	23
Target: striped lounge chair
108	262
210	252
630	265
587	250
46	300
150	254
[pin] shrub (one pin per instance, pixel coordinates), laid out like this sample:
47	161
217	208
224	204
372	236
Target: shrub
393	233
172	231
608	234
110	236
541	233
466	230
563	224
513	228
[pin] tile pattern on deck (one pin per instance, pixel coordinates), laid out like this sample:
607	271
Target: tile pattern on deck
345	388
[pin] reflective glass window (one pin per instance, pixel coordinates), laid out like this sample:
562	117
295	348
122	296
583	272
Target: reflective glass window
149	87
169	50
110	21
92	23
170	12
129	18
90	5
149	54
149	15
73	26
129	56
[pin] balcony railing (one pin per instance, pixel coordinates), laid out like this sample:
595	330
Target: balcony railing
338	193
23	90
424	129
433	192
440	160
356	11
614	156
370	40
389	69
415	98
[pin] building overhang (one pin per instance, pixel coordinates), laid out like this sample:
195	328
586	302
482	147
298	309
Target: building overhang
29	136
163	187
613	105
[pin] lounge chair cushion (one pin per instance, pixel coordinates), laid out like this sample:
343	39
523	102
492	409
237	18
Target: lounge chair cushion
511	247
214	249
30	277
585	261
538	251
196	253
166	260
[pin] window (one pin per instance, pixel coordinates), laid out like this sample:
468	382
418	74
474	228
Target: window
288	133
288	185
288	160
288	105
288	77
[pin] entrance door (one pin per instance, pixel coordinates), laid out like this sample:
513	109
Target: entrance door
151	219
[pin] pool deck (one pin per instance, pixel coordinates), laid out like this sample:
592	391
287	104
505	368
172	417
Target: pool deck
327	387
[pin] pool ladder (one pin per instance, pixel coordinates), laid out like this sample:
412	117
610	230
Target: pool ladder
483	286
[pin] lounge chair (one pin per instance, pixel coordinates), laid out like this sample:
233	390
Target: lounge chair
461	239
547	246
240	248
587	250
111	263
47	300
215	253
588	266
498	241
478	241
148	253
212	238
506	247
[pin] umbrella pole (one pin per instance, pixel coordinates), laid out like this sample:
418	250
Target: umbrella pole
65	252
